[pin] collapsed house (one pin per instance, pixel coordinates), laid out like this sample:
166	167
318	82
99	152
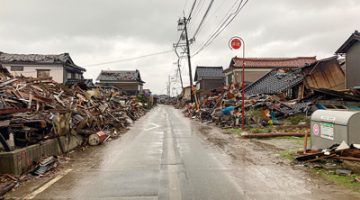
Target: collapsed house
281	93
295	84
255	68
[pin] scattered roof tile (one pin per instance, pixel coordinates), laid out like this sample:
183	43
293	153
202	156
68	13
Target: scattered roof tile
274	82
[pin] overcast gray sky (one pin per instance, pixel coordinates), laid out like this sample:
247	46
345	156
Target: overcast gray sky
97	31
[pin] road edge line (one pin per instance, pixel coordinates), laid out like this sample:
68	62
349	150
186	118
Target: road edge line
47	185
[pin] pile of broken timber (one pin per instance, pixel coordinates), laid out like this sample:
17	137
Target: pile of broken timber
36	109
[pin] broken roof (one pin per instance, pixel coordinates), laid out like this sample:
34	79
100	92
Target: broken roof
203	72
120	75
274	82
64	58
324	73
295	62
354	38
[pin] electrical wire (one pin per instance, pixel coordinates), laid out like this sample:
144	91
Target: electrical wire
192	9
197	10
203	18
130	59
223	26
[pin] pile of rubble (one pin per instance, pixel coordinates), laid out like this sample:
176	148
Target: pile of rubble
267	109
36	109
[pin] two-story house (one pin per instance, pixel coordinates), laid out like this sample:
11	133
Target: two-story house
60	68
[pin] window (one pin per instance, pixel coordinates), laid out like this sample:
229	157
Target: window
69	75
43	73
17	68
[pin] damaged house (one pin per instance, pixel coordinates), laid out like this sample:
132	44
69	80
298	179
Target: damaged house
61	68
255	68
129	82
208	78
295	83
351	50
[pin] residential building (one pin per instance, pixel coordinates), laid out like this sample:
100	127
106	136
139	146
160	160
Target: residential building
127	81
208	78
351	50
294	83
256	68
61	68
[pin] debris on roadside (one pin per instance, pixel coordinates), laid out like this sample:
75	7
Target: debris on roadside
45	165
7	183
280	98
37	109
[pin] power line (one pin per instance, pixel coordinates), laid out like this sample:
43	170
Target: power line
203	19
192	9
197	9
222	26
130	59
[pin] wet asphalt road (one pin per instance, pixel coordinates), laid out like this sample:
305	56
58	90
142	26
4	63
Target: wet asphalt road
163	157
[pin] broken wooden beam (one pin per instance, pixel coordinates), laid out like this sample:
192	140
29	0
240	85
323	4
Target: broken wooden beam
269	135
5	111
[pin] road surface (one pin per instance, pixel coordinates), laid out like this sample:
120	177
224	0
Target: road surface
164	157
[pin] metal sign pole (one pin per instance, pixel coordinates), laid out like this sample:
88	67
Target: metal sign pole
236	43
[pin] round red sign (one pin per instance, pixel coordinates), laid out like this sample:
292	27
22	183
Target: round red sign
316	129
235	43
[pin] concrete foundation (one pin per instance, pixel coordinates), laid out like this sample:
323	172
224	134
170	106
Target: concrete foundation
22	160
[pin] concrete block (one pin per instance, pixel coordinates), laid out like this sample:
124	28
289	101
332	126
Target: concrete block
22	160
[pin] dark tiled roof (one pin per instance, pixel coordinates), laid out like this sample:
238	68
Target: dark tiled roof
116	75
272	62
355	37
276	81
63	58
208	73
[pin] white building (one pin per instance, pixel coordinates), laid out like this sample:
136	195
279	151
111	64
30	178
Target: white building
60	68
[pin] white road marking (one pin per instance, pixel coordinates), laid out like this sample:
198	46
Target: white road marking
47	185
154	127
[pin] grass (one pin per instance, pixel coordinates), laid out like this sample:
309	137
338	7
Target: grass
238	131
299	139
234	131
288	154
346	181
296	119
260	130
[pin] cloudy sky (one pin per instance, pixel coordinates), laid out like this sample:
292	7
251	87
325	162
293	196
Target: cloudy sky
99	31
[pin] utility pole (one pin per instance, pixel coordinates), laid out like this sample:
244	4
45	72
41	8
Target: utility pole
179	69
168	87
189	58
182	26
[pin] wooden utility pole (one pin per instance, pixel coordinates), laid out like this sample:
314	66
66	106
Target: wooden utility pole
189	58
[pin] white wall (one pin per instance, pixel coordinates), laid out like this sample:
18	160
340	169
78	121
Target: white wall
56	71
